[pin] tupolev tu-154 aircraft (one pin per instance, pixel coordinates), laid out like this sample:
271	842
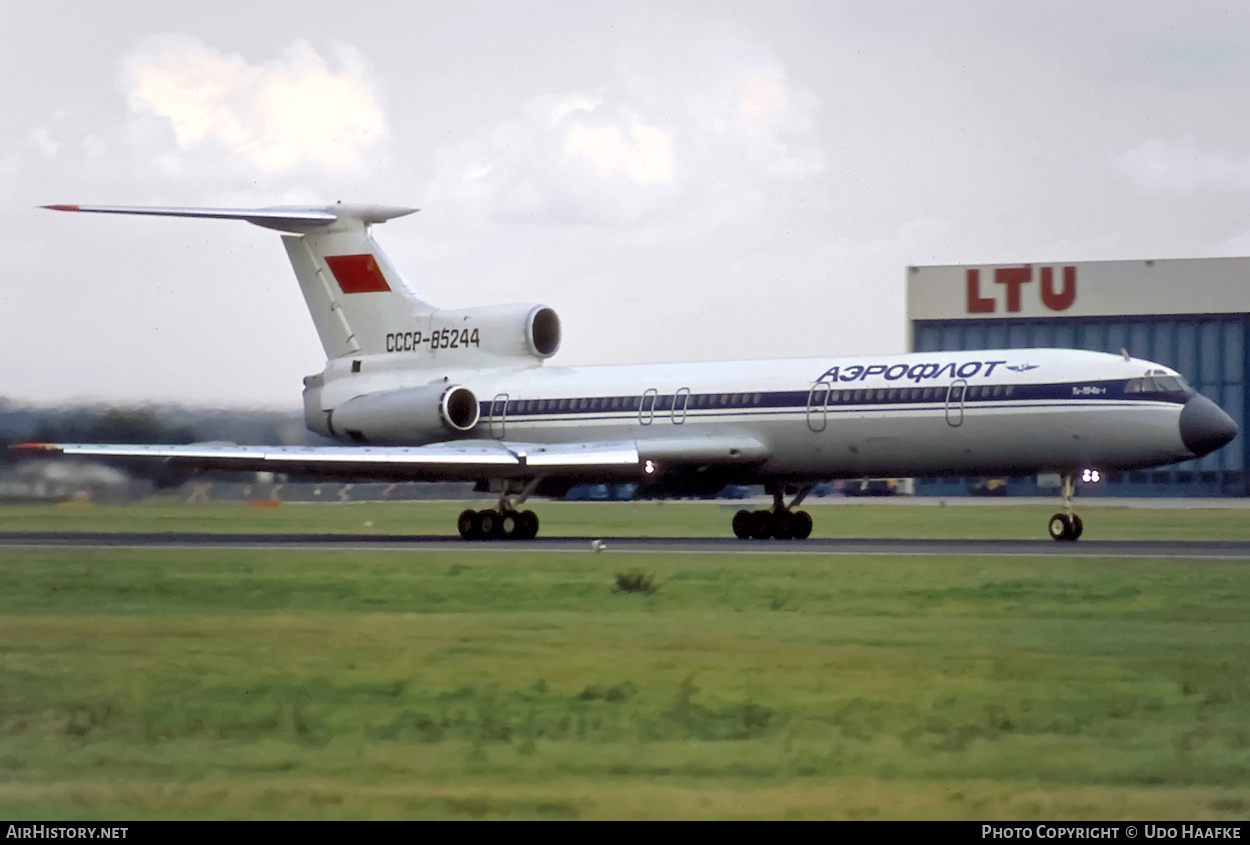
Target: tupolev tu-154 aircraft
421	393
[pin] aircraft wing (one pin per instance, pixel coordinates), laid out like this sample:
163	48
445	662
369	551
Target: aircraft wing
458	460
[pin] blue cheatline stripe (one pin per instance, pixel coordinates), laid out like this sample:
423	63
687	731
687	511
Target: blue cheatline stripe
799	413
837	398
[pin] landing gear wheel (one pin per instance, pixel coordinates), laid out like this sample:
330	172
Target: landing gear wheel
469	525
800	525
742	525
488	522
779	525
509	524
1066	525
527	525
1061	527
761	525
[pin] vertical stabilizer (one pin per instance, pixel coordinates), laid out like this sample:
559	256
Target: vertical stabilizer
354	294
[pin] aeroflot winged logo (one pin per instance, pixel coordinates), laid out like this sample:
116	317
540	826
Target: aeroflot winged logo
357	273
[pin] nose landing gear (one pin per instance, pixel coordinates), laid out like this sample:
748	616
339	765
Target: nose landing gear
1067	525
780	523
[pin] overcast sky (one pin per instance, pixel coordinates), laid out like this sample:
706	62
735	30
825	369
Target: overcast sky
679	180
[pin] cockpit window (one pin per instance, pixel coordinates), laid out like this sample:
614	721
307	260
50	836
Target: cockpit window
1158	382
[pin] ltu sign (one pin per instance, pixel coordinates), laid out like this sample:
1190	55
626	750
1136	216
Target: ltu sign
1013	281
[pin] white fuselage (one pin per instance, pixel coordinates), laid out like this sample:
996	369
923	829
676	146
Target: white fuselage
925	414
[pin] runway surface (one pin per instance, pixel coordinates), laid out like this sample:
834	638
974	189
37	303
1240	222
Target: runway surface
618	545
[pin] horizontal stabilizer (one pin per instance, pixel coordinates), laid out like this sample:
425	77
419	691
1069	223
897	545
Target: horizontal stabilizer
282	218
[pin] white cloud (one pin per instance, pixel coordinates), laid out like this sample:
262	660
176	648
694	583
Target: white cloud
646	156
42	140
751	114
679	149
275	116
567	159
1181	167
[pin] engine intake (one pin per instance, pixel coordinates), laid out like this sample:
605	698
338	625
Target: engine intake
459	408
407	415
542	331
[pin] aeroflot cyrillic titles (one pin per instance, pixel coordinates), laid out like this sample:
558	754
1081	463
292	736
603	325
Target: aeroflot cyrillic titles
914	372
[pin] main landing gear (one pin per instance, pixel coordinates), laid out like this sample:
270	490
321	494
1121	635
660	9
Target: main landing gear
780	523
502	523
1066	525
505	524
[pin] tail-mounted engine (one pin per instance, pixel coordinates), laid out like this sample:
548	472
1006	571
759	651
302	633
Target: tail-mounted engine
411	414
478	336
507	331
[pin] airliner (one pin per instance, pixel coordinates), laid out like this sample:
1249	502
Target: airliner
419	393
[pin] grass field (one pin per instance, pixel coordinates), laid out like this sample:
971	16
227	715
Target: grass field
392	684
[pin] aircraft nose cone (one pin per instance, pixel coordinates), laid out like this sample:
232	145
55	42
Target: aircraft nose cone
1204	426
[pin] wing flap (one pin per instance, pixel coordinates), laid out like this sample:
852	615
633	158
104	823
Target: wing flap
577	455
713	449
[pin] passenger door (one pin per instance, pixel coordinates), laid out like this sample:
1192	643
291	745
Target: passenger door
818	405
680	399
646	411
955	402
498	415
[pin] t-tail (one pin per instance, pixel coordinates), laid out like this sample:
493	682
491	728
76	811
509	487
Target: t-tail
361	305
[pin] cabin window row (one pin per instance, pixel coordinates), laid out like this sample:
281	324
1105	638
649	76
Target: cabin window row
633	403
915	394
706	401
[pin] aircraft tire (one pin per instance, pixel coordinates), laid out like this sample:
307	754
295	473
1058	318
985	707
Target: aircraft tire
509	526
469	524
489	525
761	525
780	525
1078	527
527	528
1061	527
801	525
742	525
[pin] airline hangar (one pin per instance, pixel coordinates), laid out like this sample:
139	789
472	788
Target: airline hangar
1189	314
